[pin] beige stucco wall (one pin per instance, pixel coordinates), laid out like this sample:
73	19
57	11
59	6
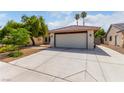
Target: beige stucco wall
38	41
90	39
52	39
113	32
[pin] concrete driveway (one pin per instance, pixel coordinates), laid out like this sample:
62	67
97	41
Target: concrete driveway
62	65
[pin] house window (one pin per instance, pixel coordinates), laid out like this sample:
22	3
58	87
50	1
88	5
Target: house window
49	38
105	39
110	38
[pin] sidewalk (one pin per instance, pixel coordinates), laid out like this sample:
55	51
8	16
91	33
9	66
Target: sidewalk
115	48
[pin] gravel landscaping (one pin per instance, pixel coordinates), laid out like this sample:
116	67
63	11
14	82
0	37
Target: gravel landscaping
26	52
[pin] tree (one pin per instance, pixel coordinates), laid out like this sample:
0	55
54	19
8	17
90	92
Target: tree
17	37
100	33
0	35
36	26
8	28
83	15
44	27
13	35
14	24
77	17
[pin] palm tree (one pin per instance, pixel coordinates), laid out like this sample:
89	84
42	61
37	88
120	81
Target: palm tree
83	15
77	16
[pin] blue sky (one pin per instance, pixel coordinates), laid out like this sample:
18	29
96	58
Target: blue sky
56	19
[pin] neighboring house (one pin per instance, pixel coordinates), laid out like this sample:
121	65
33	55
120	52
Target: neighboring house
73	37
115	35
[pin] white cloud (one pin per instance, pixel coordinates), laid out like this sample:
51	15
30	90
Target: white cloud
2	16
65	19
59	14
105	20
101	20
3	19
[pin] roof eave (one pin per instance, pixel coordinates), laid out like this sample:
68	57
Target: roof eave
56	31
122	31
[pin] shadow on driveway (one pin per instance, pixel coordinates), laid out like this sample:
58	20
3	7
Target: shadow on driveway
96	51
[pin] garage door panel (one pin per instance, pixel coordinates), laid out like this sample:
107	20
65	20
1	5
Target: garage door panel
76	40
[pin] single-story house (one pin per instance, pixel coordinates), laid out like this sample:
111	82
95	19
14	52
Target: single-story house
73	37
115	35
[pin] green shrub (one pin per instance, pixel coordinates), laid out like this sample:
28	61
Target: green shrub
11	48
8	48
3	49
15	54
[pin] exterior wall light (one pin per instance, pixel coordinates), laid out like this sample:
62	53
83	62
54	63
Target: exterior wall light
51	35
90	35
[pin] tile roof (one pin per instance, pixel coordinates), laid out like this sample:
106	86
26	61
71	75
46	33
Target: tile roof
119	26
74	28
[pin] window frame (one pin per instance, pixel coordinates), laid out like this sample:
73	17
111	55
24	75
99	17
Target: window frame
110	38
